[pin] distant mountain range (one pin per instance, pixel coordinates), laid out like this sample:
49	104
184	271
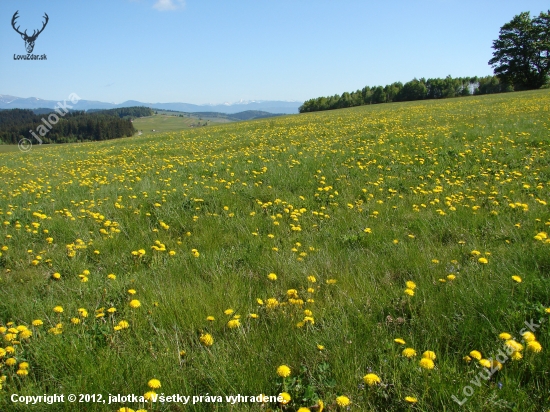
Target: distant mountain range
271	106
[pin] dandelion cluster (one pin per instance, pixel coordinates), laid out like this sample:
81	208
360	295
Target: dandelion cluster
367	236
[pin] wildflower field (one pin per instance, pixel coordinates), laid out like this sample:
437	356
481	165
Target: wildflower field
380	258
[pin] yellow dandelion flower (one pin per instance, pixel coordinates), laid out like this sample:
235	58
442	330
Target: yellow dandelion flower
272	276
233	323
342	401
429	355
516	356
409	292
37	322
292	293
410	284
426	363
476	354
516	279
512	344
58	309
134	303
400	341
154	384
206	339
505	336
283	371
410	399
26	334
529	336
229	311
483	260
272	303
534	346
123	324
371	379
485	363
285	397
408	352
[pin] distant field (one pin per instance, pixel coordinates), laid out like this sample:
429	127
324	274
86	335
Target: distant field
169	123
5	148
380	258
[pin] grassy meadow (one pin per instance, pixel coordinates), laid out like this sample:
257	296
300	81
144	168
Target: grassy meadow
163	122
380	253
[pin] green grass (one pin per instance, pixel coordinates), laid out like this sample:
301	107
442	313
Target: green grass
434	181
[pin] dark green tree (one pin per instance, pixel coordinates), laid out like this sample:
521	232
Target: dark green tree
413	90
378	95
521	55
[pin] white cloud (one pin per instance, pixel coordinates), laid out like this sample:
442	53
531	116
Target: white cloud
165	5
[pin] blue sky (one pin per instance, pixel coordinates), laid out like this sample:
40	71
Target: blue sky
216	51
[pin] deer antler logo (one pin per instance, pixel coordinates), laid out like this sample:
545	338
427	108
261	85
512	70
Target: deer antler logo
29	40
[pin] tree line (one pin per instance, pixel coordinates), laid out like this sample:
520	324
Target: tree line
416	89
70	127
125	112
